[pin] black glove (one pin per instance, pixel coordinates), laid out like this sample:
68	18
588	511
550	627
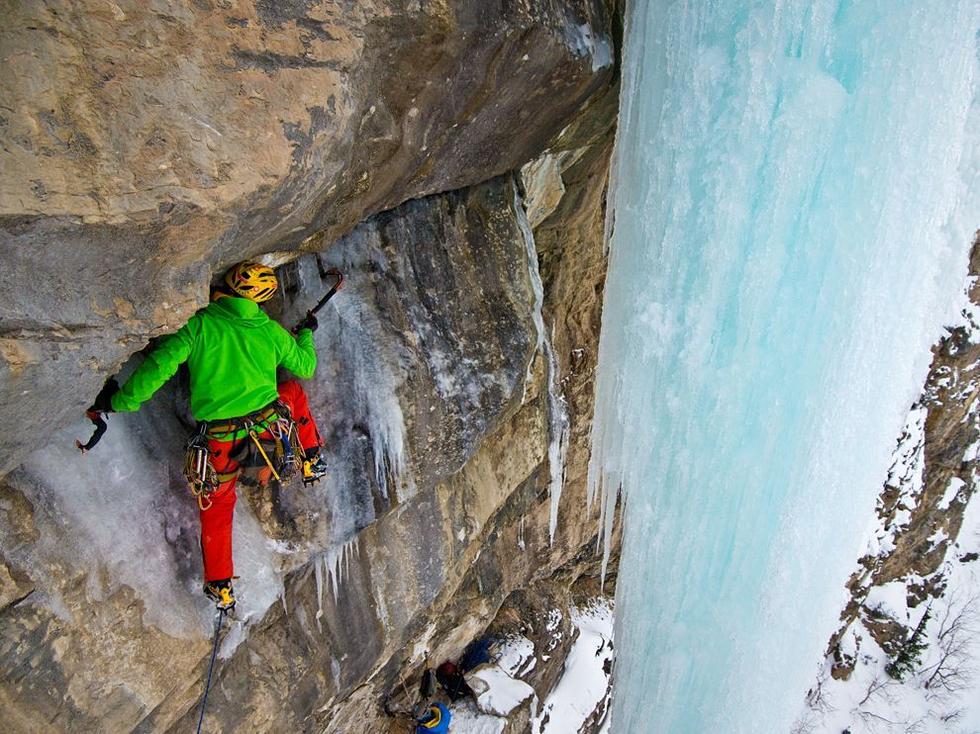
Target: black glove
309	322
103	401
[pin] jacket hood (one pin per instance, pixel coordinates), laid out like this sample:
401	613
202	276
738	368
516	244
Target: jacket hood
240	310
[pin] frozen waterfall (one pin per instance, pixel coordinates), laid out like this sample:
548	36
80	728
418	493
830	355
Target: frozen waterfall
796	189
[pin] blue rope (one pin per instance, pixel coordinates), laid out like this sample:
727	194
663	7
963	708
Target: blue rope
214	654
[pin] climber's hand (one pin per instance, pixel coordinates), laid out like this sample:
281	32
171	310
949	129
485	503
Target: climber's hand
309	322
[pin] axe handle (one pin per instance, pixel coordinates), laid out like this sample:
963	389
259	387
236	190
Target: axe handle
330	294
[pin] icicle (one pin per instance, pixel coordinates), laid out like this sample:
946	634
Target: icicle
336	564
377	377
557	407
318	571
330	560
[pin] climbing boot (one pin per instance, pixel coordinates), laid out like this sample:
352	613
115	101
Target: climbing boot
221	593
313	469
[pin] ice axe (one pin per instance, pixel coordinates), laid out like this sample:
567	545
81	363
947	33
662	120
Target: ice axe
323	301
94	414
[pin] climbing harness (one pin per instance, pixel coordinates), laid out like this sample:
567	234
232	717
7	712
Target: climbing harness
214	654
274	437
266	438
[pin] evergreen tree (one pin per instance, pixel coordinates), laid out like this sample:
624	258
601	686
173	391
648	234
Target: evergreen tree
910	652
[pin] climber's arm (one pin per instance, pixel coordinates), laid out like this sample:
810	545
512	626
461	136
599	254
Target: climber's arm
298	353
159	366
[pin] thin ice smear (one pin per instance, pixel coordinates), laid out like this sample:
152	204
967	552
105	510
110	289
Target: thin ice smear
558	423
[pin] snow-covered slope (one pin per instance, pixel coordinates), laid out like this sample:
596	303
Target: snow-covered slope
907	656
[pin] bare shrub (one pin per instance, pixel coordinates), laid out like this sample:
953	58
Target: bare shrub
952	672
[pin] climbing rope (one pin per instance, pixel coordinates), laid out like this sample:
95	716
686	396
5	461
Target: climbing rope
214	654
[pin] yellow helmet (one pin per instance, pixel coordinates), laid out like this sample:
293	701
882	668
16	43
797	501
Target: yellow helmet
252	280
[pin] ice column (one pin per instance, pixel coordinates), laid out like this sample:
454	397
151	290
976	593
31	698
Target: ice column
795	193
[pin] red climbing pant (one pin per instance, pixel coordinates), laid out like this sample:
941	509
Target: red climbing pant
292	394
216	521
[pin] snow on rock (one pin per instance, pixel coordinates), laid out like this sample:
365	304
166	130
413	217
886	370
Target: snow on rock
517	656
579	699
955	484
906	658
584	688
497	693
940	695
888	599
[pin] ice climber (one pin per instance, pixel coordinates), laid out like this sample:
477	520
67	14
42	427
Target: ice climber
435	720
233	349
428	715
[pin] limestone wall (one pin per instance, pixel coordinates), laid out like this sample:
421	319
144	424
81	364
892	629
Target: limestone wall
146	146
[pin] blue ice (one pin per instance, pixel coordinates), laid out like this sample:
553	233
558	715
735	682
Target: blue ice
794	196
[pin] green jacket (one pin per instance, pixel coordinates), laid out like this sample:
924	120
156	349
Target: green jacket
232	350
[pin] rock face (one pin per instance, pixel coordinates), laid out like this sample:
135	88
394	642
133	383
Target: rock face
147	145
387	139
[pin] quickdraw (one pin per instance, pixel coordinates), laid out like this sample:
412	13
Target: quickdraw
254	435
285	433
201	476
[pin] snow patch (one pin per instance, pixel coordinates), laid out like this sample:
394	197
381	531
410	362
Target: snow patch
581	692
952	490
516	656
497	692
468	719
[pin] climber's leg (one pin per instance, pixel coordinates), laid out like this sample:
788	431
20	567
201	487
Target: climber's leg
293	395
217	520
